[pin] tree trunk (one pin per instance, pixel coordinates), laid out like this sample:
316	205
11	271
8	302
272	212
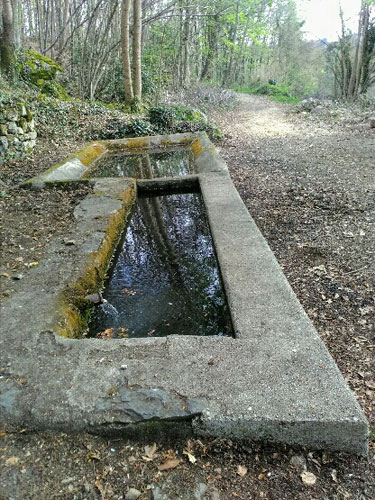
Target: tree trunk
137	50
128	83
354	74
16	23
362	50
228	73
7	49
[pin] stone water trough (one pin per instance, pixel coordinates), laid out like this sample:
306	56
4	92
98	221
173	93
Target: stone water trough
274	380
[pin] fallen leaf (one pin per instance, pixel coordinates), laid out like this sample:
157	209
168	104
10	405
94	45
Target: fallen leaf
190	456
12	461
32	264
149	453
107	334
308	478
242	470
6	275
100	487
262	475
334	475
169	464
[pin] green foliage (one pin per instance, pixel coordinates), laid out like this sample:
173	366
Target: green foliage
281	98
188	113
114	128
162	117
139	128
213	132
274	90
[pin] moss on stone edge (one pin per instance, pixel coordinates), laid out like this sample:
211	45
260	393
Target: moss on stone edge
86	156
197	148
74	308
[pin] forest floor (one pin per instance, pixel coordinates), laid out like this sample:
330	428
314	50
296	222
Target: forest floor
308	181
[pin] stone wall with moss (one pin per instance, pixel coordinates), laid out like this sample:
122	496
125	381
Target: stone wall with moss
17	130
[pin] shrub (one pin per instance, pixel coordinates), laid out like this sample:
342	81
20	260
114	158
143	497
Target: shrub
162	117
214	133
138	128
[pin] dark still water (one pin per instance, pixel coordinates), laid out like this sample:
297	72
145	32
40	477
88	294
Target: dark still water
145	166
165	279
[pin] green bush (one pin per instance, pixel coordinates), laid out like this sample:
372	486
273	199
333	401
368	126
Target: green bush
138	128
189	114
213	132
162	117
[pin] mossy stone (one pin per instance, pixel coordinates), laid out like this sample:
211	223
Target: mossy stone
23	124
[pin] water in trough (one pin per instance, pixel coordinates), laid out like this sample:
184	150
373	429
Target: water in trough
145	166
165	277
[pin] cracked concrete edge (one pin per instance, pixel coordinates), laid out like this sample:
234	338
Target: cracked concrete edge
346	435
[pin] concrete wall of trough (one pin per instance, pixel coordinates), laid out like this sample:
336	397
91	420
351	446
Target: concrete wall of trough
275	381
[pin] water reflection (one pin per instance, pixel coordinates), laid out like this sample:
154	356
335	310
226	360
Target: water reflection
165	164
165	279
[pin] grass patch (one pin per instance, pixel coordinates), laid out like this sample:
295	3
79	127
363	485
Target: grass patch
274	92
282	98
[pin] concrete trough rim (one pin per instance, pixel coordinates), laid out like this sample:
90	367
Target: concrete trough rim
265	337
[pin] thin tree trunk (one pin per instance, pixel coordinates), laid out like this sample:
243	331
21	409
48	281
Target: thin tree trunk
354	74
233	40
137	49
128	83
7	49
360	63
16	23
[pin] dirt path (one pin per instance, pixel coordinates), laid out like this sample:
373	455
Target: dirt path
308	181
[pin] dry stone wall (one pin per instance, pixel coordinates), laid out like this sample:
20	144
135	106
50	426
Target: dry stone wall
17	130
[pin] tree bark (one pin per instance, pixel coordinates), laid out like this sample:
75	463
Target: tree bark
137	50
7	48
128	83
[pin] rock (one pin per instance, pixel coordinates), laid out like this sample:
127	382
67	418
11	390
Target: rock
12	115
30	136
4	142
372	122
12	128
132	494
69	242
157	494
94	298
298	462
206	492
23	110
28	146
31	125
